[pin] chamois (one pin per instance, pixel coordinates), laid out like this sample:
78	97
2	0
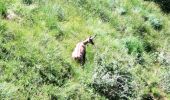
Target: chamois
79	53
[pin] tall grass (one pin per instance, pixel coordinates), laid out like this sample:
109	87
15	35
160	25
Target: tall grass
128	60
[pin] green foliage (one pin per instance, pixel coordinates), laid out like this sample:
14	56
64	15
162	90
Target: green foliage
149	47
113	80
164	4
131	52
155	22
27	1
165	81
23	59
134	46
122	11
3	9
77	91
2	27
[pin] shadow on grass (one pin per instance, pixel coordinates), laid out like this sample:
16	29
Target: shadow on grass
164	5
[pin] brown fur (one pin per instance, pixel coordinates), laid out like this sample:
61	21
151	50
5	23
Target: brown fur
79	53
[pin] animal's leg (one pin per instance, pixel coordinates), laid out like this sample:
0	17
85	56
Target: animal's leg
83	59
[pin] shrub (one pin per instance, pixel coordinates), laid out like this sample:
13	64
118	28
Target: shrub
76	91
147	97
149	47
155	22
104	15
113	80
165	81
3	9
163	58
7	90
54	75
134	45
31	67
27	1
60	14
3	27
6	38
60	33
141	31
122	11
52	15
50	66
81	2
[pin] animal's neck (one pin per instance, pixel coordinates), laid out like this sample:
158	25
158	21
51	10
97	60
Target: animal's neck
85	42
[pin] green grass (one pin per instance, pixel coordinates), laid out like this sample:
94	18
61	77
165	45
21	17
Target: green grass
131	53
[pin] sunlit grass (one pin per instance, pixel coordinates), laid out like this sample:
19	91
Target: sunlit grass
36	47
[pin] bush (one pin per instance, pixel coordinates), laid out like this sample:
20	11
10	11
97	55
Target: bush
122	11
27	1
50	66
54	75
76	91
134	45
51	15
147	97
149	47
141	31
165	82
3	28
6	38
31	66
104	15
113	80
3	9
163	58
155	22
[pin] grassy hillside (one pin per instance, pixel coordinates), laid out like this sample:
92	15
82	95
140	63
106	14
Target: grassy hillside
130	60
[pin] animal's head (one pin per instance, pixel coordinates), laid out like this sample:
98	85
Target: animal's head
90	39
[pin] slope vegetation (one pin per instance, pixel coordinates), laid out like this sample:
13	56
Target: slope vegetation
130	60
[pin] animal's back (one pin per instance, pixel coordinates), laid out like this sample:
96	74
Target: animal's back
78	51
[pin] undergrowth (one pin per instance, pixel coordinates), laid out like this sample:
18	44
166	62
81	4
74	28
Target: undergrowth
130	59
